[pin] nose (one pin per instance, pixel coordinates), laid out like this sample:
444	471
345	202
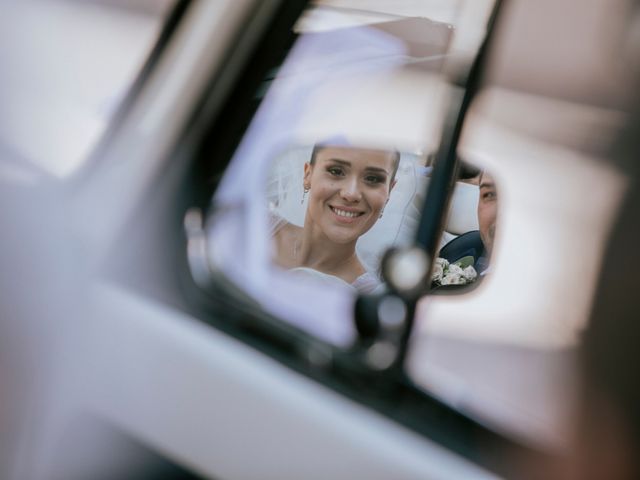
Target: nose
350	190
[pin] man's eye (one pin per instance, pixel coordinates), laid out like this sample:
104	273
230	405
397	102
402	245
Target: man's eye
489	195
335	171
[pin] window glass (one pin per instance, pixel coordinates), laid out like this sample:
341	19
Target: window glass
334	167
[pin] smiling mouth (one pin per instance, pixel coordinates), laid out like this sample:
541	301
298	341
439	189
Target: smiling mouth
345	213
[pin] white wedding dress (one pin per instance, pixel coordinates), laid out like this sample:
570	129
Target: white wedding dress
366	283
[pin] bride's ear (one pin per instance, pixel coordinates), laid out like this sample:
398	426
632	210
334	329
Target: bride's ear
393	184
308	168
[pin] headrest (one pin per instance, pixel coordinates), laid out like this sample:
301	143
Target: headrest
463	216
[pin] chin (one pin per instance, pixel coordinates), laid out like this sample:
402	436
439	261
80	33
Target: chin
342	239
342	235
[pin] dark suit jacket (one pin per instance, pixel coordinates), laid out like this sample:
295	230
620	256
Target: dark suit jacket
466	245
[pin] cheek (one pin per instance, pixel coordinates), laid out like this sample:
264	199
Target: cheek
320	192
486	214
378	199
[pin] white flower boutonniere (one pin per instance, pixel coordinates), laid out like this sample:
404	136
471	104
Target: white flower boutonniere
458	273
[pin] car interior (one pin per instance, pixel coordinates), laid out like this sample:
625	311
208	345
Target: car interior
250	239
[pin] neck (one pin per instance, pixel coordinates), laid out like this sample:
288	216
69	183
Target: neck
315	250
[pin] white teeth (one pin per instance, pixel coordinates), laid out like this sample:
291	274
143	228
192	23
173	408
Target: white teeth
342	213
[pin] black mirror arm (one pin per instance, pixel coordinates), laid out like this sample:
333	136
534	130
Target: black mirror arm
445	169
437	199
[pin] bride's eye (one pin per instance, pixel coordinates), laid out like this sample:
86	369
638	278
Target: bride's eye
375	179
336	171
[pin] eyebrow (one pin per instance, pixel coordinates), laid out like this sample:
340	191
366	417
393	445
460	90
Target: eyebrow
340	161
347	163
487	185
377	169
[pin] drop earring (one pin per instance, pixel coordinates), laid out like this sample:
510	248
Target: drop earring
304	193
383	207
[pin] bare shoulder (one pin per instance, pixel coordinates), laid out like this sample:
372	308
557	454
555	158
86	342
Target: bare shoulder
288	233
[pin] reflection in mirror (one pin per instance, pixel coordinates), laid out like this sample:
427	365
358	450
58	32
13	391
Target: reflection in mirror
468	238
335	209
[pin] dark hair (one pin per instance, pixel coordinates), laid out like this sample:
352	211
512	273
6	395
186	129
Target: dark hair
466	170
395	157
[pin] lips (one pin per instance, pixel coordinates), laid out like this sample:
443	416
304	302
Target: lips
346	213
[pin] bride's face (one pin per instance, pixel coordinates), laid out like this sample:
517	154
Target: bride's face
348	189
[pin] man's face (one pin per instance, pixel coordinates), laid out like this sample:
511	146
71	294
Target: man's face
487	211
